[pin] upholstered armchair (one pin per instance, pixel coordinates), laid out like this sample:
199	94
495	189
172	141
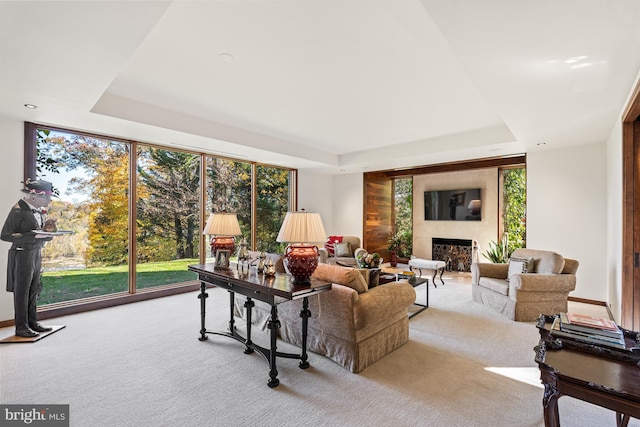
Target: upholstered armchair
344	253
534	282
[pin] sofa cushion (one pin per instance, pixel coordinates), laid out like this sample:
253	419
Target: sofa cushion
331	242
343	249
519	266
497	285
344	276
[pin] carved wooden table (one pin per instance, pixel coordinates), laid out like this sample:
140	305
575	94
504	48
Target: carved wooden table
270	289
594	374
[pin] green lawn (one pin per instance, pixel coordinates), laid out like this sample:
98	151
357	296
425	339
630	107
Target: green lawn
75	284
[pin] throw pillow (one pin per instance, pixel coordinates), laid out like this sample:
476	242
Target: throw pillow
330	244
343	249
519	266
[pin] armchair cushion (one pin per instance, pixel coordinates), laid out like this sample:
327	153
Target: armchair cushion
343	249
330	244
519	266
544	262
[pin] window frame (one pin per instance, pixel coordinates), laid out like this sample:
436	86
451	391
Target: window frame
133	294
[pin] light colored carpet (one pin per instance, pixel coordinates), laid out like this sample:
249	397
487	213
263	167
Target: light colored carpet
142	365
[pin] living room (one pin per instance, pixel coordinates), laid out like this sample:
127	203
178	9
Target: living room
574	182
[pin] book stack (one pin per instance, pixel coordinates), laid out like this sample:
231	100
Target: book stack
588	329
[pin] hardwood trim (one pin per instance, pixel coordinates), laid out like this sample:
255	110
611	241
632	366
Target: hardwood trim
587	301
490	162
629	312
30	138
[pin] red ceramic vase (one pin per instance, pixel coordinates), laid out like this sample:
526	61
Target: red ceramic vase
301	261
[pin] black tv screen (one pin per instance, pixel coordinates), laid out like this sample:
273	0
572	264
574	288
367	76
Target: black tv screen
453	205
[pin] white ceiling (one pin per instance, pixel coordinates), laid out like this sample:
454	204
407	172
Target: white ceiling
330	85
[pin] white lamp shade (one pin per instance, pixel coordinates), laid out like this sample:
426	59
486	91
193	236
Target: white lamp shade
222	224
475	204
302	227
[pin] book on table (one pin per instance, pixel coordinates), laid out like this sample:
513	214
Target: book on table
586	337
572	322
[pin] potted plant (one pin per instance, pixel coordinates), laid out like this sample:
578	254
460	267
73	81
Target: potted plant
400	246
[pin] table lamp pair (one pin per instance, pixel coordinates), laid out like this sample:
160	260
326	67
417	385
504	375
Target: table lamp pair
301	229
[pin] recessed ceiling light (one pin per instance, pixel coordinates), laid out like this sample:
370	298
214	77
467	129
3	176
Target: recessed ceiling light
541	144
226	57
31	106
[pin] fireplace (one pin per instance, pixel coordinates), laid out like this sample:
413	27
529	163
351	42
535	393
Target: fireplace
457	253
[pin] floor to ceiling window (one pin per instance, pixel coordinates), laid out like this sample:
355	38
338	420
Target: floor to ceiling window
91	176
272	204
229	190
110	190
167	216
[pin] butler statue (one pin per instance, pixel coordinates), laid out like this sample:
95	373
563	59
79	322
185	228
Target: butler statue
25	220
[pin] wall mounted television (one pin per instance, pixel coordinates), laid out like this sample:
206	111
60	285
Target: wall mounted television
453	205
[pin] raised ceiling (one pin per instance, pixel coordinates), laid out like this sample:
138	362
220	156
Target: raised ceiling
322	84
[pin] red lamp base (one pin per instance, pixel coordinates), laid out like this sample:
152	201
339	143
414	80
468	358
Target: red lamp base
301	261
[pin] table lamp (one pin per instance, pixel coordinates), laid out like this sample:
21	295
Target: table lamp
475	206
301	230
223	227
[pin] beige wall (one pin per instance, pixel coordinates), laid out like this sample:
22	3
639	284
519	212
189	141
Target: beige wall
482	231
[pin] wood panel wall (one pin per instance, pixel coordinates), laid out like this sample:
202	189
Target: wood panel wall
378	213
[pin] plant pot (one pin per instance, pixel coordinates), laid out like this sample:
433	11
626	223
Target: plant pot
394	259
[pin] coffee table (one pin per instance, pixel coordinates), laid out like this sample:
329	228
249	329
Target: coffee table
389	275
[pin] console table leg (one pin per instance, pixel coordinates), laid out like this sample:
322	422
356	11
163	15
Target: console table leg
273	325
203	302
232	321
249	304
305	314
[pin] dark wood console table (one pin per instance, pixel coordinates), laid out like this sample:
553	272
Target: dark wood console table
590	373
270	289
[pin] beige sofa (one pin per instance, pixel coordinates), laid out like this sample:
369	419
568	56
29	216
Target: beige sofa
543	290
347	258
351	324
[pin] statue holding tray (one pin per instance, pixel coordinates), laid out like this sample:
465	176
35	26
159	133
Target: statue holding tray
28	230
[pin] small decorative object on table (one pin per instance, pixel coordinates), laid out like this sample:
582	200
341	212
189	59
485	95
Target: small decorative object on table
270	268
367	260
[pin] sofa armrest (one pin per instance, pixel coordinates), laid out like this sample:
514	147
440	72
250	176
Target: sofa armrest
496	271
541	283
323	255
379	303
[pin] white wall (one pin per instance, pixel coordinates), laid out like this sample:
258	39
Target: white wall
315	193
348	199
567	211
11	163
